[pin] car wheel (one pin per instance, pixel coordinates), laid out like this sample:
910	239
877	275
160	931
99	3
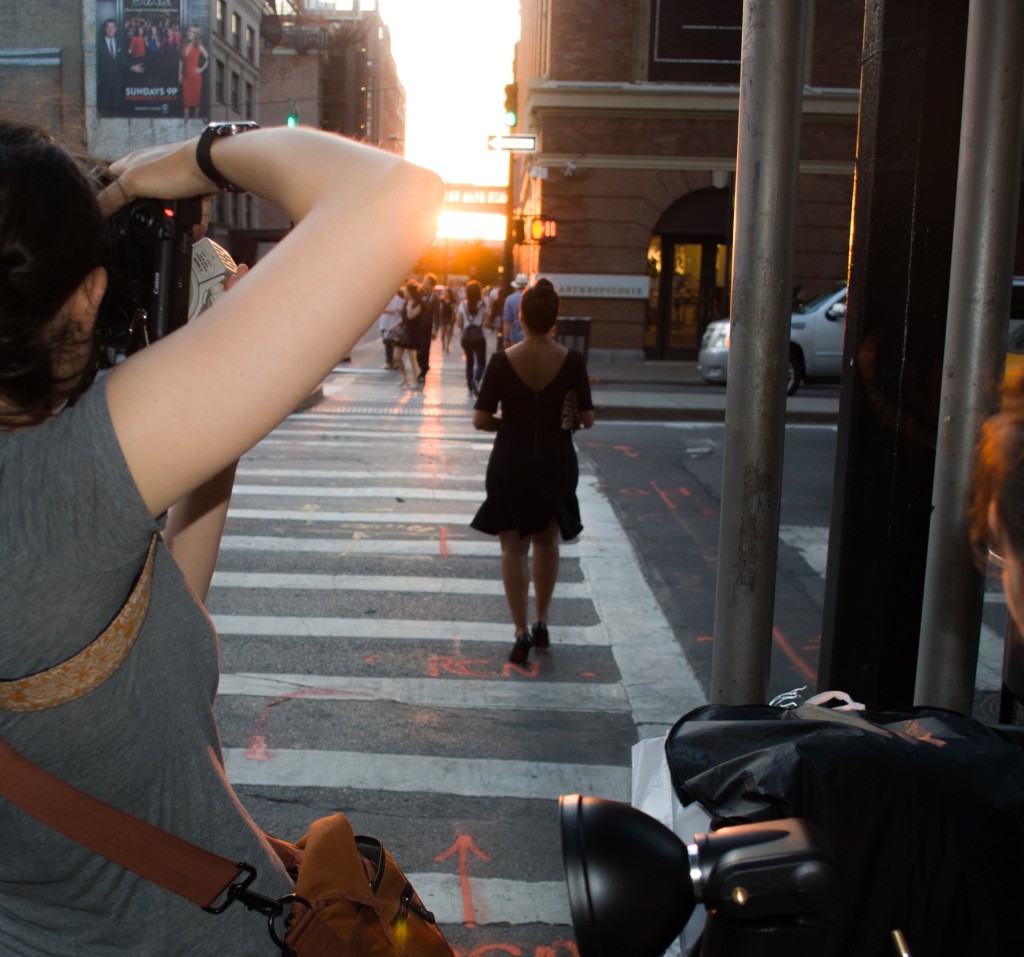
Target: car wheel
794	372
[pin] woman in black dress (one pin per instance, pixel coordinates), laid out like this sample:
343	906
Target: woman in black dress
544	394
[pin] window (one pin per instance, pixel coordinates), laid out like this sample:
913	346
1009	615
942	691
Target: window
250	44
218	81
236	31
222	15
236	83
250	106
696	41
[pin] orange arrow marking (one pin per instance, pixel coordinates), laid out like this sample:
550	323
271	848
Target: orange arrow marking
464	846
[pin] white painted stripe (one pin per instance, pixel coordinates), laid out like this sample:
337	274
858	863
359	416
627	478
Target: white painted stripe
361	544
658	679
379	583
369	440
313	514
365	491
989	675
467	777
494	900
396	629
436	692
810	541
366	475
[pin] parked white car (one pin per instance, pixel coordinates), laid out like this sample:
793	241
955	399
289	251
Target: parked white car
815	343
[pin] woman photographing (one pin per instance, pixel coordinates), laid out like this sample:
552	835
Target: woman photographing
543	392
95	479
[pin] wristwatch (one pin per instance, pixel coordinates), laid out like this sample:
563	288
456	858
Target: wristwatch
206	138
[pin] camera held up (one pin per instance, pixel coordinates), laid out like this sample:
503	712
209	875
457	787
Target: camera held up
158	278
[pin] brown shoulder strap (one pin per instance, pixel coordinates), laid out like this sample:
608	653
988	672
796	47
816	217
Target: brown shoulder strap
183	868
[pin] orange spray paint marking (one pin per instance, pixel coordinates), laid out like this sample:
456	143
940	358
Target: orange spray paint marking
464	846
444	541
805	670
462	667
530	670
569	946
256	749
663	495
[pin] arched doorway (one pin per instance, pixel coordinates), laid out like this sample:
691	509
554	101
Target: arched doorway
689	259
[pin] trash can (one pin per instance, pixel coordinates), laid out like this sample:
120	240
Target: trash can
574	332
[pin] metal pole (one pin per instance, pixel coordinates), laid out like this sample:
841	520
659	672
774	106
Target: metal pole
767	162
984	235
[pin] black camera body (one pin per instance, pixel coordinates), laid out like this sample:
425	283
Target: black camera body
149	265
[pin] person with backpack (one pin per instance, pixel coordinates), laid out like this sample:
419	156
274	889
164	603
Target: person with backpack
472	314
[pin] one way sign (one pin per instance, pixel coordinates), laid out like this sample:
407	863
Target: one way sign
515	142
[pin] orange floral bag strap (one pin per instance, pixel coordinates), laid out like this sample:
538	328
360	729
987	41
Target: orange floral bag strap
96	662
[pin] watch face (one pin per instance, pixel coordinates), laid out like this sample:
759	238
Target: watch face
230	129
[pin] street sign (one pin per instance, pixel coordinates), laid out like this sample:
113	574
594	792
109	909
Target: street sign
514	142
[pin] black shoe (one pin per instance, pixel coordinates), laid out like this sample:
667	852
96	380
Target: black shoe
521	649
539	636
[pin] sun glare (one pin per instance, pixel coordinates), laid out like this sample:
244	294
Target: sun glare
456	224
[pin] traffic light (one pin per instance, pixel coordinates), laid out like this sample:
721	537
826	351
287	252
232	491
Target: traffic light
293	114
511	104
518	230
542	229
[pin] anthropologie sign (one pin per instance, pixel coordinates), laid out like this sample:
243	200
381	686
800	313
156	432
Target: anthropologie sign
599	286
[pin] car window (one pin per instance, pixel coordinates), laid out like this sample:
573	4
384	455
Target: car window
818	300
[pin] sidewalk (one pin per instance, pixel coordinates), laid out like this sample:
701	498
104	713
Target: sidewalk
623	388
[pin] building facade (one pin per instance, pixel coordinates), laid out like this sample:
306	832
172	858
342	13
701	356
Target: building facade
635	107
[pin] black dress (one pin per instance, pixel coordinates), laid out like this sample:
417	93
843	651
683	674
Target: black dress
532	472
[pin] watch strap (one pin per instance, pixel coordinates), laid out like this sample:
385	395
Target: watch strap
212	132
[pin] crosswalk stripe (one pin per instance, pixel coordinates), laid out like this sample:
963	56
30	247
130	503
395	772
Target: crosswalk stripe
467	777
360	475
366	545
395	629
494	900
314	514
434	692
378	583
366	491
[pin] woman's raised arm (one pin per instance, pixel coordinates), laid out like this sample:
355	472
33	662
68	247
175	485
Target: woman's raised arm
193	402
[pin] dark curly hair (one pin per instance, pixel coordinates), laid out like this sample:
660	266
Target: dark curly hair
999	473
51	238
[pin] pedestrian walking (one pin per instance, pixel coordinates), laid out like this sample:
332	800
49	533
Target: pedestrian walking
511	328
390	319
542	390
446	316
407	341
427	325
472	313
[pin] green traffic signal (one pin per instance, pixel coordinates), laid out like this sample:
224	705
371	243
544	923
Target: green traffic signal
293	114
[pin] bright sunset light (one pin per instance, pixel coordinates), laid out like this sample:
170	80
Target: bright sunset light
454	58
455	224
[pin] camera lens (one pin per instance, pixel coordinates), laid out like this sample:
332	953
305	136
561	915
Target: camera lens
144	217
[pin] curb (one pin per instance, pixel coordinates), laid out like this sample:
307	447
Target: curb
662	414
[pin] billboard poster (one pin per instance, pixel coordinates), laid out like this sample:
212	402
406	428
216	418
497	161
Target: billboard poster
151	58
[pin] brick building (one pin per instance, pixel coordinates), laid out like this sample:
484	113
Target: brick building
635	107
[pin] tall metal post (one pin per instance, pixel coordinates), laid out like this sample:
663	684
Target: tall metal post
767	162
984	236
900	259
